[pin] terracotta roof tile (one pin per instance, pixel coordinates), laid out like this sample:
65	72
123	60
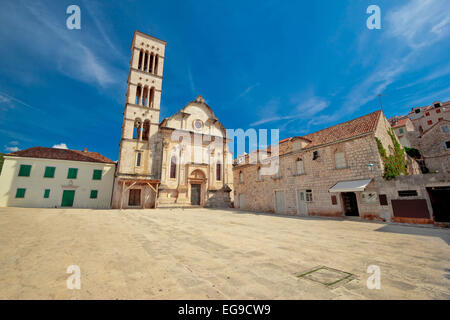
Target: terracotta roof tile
400	123
349	129
61	154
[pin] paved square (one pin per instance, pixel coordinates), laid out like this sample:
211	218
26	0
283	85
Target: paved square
213	254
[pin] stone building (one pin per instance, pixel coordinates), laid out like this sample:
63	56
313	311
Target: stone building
424	117
404	130
182	161
434	146
331	172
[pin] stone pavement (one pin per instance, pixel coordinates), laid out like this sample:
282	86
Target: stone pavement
215	254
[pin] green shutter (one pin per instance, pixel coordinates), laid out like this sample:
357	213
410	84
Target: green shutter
25	170
49	172
20	193
94	194
97	175
72	173
47	193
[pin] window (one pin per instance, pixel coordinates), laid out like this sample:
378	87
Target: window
138	159
259	174
315	155
383	199
400	131
46	193
138	95
440	119
140	59
152	98
94	194
427	114
241	177
97	175
72	173
173	167
299	166
446	145
333	200
20	193
308	196
150	67
49	172
407	193
339	158
444	128
438	110
430	122
155	71
417	111
218	171
24	170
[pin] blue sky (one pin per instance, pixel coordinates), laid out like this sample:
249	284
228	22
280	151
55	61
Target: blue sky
298	66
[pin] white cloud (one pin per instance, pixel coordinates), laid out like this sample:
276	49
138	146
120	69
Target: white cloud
420	22
11	149
307	106
87	56
60	146
246	91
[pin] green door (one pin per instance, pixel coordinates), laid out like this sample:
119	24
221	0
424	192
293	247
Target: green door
67	198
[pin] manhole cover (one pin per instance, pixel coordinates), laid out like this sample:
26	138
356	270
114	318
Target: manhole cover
327	276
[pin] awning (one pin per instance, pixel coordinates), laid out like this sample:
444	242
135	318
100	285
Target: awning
350	186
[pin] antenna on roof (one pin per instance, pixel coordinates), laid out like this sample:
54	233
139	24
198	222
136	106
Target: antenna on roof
381	103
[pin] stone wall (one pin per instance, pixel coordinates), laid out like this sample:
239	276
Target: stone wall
319	176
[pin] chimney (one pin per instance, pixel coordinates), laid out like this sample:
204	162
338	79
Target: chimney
85	149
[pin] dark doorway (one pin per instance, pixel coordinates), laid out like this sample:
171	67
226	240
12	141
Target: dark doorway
135	197
440	201
350	204
195	194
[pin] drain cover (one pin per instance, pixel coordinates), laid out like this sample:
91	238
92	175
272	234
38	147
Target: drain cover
327	276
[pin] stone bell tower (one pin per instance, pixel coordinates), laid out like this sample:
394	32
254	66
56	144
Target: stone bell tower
139	155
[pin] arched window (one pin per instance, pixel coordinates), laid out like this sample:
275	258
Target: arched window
218	171
155	71
152	97
241	177
145	60
150	67
140	59
138	94
145	96
299	166
259	174
137	129
146	130
173	167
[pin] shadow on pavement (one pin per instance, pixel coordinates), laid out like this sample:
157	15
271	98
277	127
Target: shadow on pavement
444	234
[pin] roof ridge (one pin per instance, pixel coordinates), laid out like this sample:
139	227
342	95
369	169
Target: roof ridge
338	124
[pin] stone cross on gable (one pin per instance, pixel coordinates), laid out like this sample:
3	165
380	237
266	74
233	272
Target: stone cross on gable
200	99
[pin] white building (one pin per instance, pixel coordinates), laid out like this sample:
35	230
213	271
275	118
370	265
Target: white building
49	178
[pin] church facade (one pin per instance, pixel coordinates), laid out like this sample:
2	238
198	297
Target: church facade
181	161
